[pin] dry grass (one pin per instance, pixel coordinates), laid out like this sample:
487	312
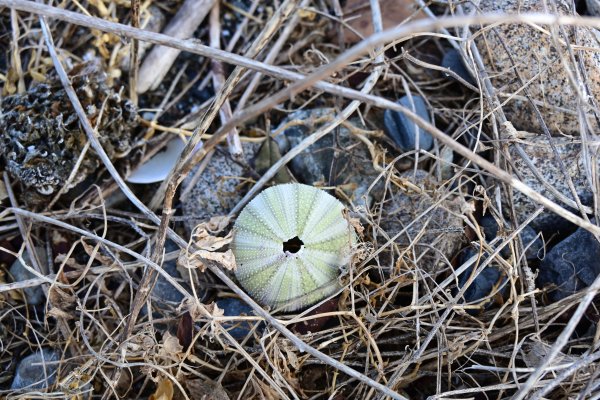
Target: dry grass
398	328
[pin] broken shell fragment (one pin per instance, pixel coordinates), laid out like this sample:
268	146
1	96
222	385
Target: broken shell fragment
289	244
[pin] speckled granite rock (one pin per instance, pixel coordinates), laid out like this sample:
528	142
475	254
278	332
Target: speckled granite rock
534	52
443	227
219	189
542	157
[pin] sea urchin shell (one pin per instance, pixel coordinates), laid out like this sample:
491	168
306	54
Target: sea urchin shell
289	243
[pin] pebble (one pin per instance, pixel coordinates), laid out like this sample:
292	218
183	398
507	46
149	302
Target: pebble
163	291
402	130
219	189
571	265
444	232
537	59
34	294
453	61
30	372
539	152
530	238
484	283
339	151
233	307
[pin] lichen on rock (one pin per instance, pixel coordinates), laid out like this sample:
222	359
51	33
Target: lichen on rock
42	139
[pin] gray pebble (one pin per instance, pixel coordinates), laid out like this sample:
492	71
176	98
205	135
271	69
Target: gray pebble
571	265
402	130
454	62
483	285
234	308
163	291
36	371
34	294
529	237
338	158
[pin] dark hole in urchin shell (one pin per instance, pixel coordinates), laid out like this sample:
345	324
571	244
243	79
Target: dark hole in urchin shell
293	245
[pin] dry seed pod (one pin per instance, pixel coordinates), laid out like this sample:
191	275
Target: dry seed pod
289	244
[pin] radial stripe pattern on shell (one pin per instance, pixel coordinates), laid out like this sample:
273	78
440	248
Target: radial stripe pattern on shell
289	244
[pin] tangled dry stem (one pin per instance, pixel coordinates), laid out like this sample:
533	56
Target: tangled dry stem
395	326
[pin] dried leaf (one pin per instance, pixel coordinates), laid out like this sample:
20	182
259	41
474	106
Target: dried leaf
267	391
214	310
185	330
164	390
215	224
226	260
307	14
198	310
59	314
171	345
355	222
61	299
93	249
204	240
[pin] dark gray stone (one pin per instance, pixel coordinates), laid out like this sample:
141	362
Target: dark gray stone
454	62
36	371
402	130
339	158
571	265
34	295
163	291
528	236
533	243
233	307
489	226
490	277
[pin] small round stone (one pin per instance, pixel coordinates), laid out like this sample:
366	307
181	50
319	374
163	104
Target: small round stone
289	244
454	62
402	130
36	371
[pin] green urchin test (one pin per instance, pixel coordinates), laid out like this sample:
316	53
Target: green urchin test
289	244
